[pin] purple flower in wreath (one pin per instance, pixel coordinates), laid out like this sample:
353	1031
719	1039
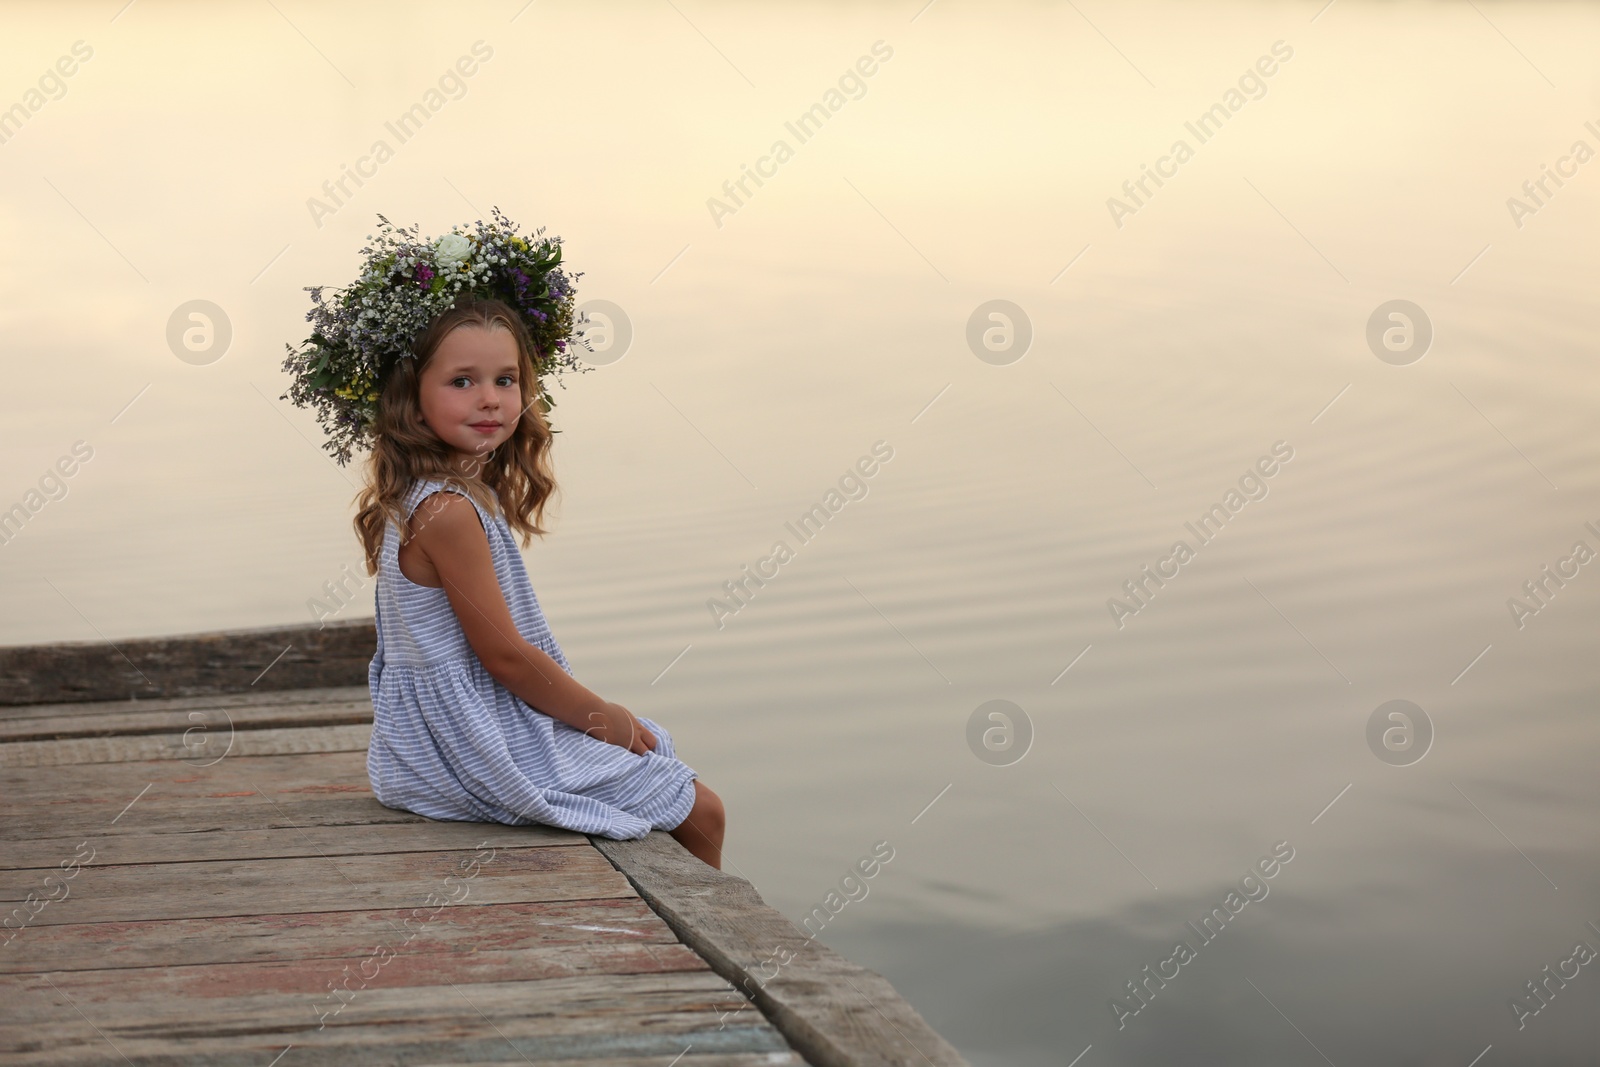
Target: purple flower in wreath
424	275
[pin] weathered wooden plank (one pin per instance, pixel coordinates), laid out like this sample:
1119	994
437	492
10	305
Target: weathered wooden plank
692	1059
198	723
459	928
336	694
591	1051
40	996
431	836
653	1039
236	793
271	657
657	1015
391	961
400	880
584	999
246	811
834	1012
623	1050
196	749
116	784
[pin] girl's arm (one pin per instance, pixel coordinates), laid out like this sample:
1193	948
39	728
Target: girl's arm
447	530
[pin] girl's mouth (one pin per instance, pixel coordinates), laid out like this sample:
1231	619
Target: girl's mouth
485	427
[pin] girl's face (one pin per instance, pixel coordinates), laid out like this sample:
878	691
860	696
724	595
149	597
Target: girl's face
470	393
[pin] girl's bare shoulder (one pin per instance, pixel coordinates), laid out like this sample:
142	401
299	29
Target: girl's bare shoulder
446	513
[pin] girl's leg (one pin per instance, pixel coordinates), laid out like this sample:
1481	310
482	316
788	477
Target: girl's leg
701	832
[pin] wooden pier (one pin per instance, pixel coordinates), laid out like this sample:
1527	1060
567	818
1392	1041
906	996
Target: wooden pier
193	869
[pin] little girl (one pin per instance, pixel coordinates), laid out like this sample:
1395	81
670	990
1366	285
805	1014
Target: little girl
476	714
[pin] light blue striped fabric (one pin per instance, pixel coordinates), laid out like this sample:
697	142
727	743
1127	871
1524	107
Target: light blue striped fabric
450	742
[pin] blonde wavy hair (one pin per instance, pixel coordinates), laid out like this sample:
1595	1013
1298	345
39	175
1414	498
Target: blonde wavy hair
517	479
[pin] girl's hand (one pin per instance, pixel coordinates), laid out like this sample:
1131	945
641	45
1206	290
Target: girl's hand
616	725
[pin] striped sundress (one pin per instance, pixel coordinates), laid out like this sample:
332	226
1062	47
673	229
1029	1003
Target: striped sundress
450	742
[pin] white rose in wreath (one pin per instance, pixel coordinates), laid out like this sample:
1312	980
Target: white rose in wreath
451	249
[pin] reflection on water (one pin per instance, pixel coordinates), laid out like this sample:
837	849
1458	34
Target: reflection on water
1172	747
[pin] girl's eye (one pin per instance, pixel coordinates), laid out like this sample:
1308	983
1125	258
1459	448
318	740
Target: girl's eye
508	379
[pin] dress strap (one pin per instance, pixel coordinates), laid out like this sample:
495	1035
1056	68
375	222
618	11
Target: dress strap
422	489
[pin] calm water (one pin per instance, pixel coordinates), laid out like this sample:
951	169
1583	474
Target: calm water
827	312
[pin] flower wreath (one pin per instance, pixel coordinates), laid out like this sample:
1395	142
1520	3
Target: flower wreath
358	337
